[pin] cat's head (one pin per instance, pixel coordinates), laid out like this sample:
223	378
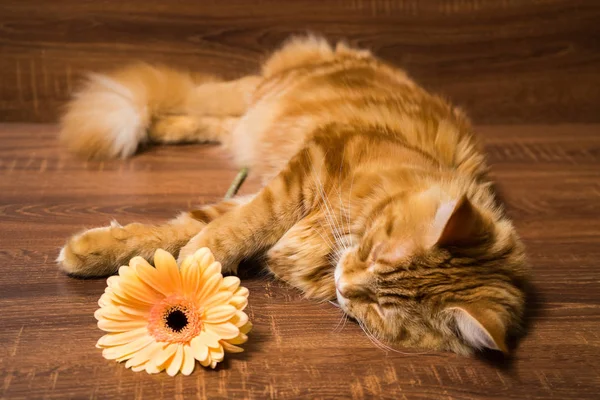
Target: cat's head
436	271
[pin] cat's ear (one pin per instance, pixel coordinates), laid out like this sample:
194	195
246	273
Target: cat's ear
456	222
480	326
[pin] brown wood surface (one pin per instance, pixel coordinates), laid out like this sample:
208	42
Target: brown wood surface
548	175
507	61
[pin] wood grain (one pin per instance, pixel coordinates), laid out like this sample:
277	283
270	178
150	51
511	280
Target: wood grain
509	61
548	175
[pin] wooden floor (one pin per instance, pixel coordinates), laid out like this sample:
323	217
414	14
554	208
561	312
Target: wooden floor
549	177
519	61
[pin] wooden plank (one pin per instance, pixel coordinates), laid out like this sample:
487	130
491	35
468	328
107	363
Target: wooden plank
549	177
510	61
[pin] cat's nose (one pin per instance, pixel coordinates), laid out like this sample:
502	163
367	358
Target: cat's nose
342	287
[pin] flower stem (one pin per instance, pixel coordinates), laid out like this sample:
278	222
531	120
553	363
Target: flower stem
237	183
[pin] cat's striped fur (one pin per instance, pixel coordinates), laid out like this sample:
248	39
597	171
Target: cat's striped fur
375	191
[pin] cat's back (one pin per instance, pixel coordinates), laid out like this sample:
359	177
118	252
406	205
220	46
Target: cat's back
309	84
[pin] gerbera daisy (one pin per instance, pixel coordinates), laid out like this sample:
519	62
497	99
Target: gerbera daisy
165	317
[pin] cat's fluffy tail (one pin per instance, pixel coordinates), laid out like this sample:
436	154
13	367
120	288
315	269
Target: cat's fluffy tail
112	114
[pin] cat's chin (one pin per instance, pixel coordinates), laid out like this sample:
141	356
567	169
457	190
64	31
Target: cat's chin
342	302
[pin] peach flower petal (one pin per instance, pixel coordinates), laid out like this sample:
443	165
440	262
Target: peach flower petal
135	312
121	351
115	339
231	283
144	355
108	325
242	291
246	328
188	361
221	313
111	312
230	348
199	349
112	281
131	285
151	276
204	256
190	277
224	331
217	354
239	339
120	295
168	271
151	368
209	339
239	302
165	354
216	299
213	268
239	319
211	285
206	362
138	261
176	362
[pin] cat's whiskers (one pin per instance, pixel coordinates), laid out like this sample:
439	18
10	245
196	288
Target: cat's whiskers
334	223
327	211
321	229
378	343
342	322
370	337
343	318
321	232
349	213
337	227
347	243
345	230
345	321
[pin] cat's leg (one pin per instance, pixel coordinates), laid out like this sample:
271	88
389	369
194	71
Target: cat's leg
209	114
255	227
304	257
172	129
100	251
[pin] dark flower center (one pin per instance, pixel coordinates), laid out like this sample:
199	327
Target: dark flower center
176	320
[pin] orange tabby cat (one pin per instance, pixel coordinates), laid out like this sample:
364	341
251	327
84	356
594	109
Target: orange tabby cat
375	191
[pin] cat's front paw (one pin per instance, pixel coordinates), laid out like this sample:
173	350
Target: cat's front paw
199	241
95	252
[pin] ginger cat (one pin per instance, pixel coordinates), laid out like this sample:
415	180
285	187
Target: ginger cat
375	191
